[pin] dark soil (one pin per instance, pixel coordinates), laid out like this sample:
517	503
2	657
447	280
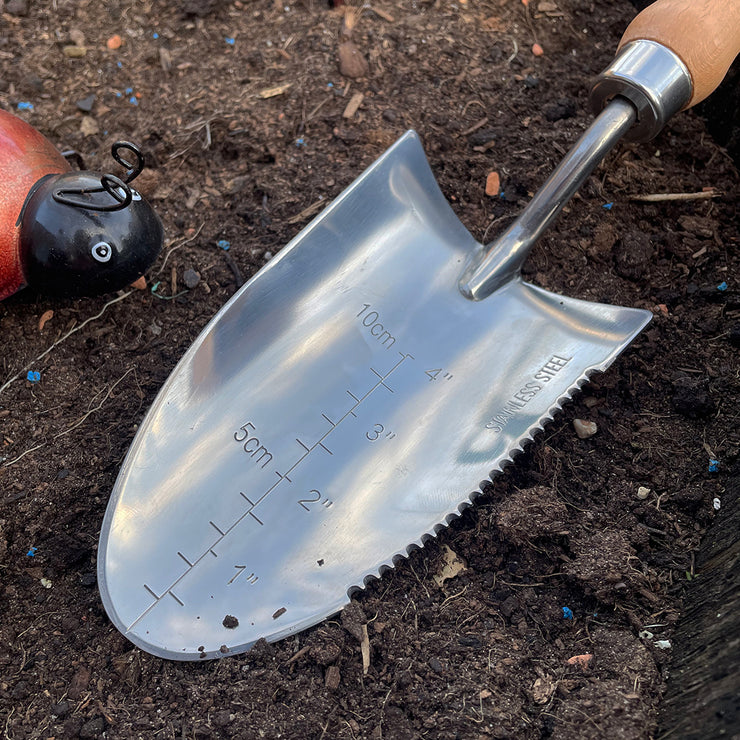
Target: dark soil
582	549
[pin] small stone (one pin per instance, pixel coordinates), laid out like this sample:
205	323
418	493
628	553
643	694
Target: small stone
691	398
643	493
585	429
88	579
436	665
191	278
92	729
351	62
76	36
230	622
86	104
114	42
559	111
61	710
390	115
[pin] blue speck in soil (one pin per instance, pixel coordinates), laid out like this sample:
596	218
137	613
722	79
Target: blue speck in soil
300	142
129	90
155	35
33	376
25	106
32	552
119	65
133	100
714	466
722	286
225	245
567	613
229	40
608	206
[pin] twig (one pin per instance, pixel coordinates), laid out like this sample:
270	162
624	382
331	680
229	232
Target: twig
659	197
181	244
75	425
93	410
63	339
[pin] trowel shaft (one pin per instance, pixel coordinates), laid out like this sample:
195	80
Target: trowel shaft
504	257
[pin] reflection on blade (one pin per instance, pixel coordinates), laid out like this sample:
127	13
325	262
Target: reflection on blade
341	407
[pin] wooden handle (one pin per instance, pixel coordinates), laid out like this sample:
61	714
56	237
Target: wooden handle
704	34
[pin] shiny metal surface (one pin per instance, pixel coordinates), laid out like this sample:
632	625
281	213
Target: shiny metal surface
504	257
341	408
653	78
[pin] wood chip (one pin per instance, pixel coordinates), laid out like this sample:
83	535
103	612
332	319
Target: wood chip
272	92
354	103
332	678
385	16
493	184
660	197
46	316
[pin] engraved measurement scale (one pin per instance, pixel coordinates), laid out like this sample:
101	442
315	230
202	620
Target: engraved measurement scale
339	409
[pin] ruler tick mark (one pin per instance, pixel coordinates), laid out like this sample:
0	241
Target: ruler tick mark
151	592
246	498
216	528
302	445
329	420
175	598
256	519
184	558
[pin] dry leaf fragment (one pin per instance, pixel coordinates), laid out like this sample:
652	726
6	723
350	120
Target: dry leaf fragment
139	284
543	689
365	649
46	316
453	565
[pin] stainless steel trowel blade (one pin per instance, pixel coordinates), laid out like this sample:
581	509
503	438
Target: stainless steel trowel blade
339	409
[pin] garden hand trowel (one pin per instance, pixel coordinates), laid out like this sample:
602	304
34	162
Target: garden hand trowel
349	398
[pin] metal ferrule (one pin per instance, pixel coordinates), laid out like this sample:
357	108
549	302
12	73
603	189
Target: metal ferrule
653	78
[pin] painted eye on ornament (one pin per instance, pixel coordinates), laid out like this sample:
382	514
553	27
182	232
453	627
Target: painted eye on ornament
102	252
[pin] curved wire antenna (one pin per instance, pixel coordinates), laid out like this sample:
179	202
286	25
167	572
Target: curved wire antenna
115	187
133	169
